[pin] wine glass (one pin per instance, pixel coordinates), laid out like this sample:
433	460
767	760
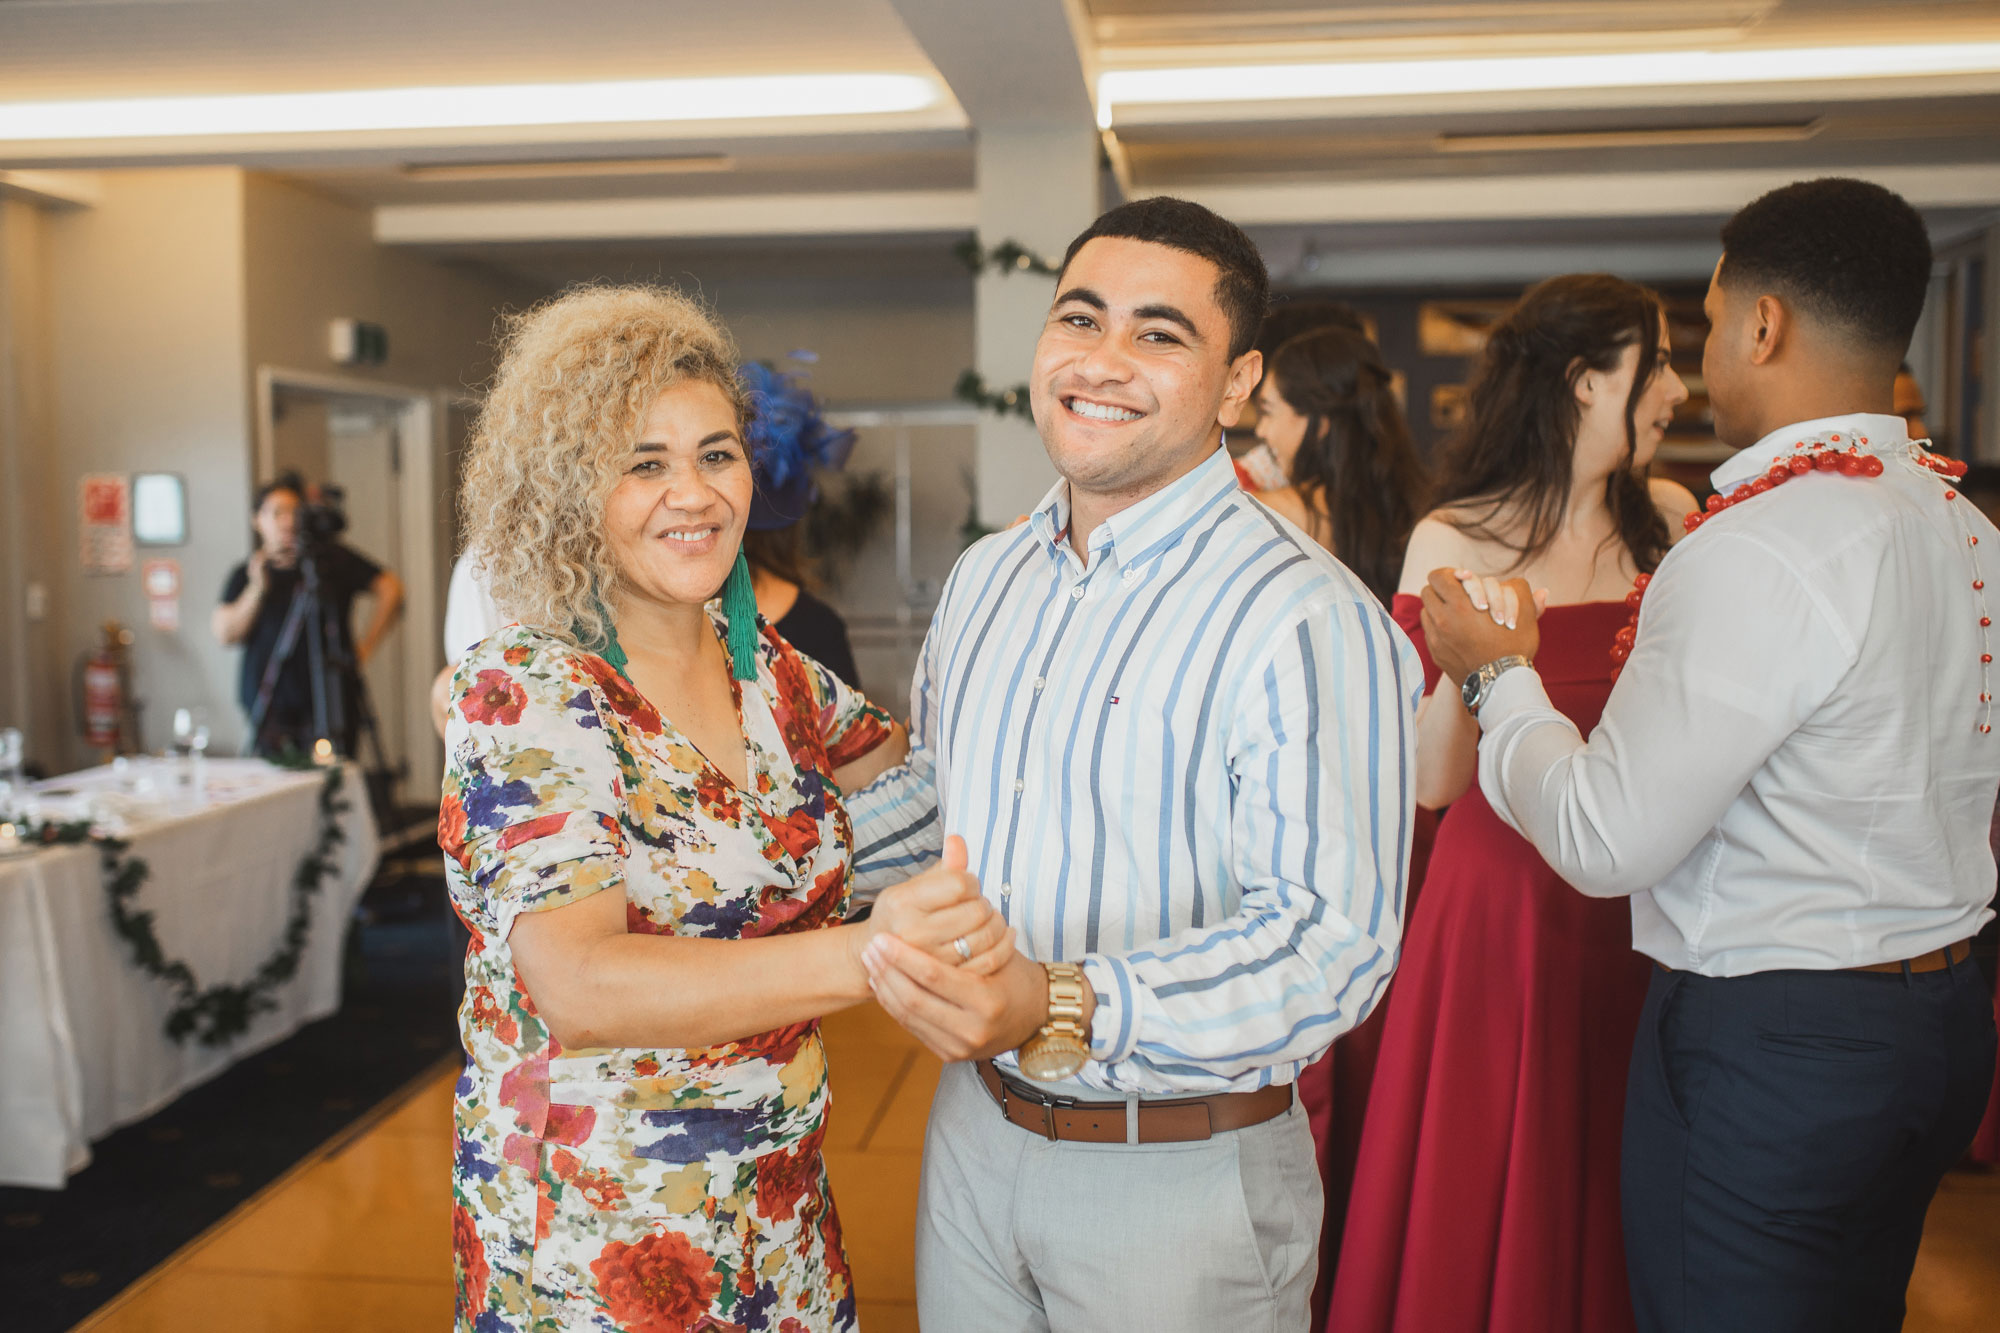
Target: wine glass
191	737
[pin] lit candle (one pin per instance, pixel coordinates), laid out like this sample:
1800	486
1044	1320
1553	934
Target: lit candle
322	751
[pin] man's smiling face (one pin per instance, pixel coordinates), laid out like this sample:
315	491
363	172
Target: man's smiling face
1133	377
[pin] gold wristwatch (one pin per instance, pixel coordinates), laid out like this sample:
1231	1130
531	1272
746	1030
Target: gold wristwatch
1062	1045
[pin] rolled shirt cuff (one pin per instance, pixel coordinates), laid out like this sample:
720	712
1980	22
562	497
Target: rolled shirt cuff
1114	1033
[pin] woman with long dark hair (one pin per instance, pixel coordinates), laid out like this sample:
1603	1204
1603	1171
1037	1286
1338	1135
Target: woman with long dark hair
1486	1195
1328	415
1327	412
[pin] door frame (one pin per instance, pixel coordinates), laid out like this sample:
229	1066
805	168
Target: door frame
419	426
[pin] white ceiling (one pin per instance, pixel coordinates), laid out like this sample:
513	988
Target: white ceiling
130	48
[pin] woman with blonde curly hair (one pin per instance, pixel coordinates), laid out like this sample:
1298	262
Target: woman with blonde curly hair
644	831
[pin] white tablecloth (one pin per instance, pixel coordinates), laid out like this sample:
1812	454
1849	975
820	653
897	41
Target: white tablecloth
83	1044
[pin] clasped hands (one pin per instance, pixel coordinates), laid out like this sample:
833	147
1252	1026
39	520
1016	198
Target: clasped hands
1472	619
963	1003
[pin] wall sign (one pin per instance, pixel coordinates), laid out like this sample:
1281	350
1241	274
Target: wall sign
162	580
105	514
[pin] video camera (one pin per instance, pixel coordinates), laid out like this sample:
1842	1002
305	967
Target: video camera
323	518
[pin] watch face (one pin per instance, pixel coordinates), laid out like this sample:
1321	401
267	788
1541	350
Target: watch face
1052	1058
1470	691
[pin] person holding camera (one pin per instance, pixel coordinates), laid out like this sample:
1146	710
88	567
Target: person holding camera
258	599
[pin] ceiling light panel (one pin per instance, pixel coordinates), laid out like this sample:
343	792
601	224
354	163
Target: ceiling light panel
1334	81
643	101
568	169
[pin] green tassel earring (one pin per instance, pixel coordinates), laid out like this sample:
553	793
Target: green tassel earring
614	652
739	607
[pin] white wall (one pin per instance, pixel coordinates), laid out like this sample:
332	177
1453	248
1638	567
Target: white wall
310	259
31	690
145	339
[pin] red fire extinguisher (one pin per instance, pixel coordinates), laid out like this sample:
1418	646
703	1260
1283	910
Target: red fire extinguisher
107	712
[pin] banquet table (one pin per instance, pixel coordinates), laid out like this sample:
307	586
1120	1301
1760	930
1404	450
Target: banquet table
83	1042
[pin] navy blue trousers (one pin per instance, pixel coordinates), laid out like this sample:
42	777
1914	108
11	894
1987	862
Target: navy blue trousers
1784	1134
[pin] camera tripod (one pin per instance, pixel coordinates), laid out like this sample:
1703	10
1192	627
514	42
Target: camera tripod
341	711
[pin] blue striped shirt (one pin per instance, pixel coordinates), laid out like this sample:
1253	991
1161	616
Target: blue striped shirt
1186	765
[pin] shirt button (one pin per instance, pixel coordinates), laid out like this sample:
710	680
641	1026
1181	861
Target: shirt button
1020	785
1006	890
1039	682
1076	593
1130	576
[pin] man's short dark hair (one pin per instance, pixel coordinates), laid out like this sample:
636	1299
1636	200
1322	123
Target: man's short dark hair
1288	318
1244	288
1848	252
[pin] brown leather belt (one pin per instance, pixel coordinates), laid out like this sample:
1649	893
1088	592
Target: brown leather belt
1934	961
1937	960
1183	1120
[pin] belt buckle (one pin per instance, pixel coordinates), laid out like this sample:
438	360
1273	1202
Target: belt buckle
1049	1104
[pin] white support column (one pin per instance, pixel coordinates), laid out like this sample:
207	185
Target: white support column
1023	72
1038	187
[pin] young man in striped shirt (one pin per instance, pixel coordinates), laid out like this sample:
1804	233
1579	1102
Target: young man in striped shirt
1174	737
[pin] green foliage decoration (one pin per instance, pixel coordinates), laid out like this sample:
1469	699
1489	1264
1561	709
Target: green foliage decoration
1006	257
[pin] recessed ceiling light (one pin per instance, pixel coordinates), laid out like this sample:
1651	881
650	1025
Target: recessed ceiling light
640	101
1688	136
1626	69
688	164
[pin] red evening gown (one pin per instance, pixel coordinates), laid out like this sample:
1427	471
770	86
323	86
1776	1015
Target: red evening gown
1334	1091
1986	1144
1486	1193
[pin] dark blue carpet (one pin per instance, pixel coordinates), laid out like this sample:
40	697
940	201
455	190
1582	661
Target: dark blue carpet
156	1185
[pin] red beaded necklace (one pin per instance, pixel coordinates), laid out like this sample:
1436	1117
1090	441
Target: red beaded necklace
1827	456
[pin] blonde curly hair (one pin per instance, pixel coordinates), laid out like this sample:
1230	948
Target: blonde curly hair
577	374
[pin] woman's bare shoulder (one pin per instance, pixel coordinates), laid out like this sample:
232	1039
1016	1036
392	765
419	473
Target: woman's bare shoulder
1440	541
1674	501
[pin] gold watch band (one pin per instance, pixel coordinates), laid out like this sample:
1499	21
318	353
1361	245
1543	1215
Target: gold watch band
1066	989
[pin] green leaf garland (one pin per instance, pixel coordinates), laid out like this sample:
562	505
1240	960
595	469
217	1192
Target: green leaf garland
1007	257
971	388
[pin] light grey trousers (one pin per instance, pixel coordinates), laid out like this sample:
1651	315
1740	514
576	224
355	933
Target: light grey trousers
1016	1234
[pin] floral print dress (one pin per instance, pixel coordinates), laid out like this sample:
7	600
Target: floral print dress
656	1190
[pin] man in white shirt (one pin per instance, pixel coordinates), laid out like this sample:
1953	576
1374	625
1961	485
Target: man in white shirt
469	617
1793	781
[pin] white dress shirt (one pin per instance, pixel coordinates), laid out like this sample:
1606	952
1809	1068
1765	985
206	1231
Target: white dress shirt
469	613
1790	771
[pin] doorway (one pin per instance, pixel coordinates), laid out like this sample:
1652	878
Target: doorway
378	444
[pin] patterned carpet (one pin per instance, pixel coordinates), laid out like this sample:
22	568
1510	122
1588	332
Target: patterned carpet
154	1186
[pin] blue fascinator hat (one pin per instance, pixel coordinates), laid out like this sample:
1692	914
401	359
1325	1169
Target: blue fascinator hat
789	441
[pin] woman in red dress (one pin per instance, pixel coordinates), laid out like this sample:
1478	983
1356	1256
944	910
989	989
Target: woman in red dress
1327	412
1486	1192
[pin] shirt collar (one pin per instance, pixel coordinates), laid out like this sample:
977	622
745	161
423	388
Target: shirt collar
1134	531
1870	432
